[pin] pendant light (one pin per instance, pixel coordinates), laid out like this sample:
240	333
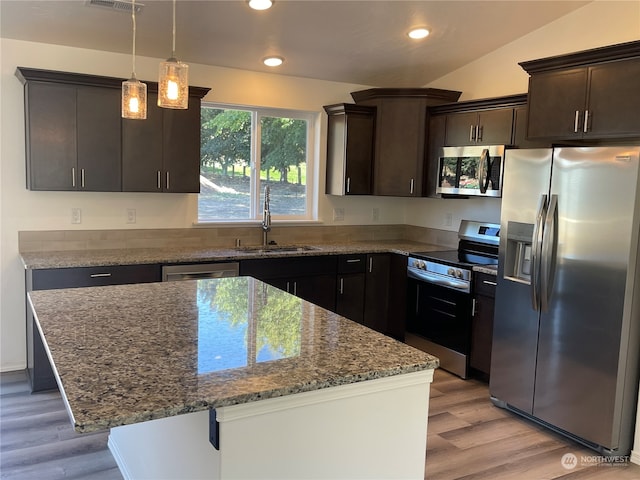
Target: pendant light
134	92
173	83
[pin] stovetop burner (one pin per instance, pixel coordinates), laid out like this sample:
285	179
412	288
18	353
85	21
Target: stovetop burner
458	257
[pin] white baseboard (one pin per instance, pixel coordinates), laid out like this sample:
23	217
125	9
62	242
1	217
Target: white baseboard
635	457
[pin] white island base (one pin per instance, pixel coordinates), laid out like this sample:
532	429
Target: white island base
375	429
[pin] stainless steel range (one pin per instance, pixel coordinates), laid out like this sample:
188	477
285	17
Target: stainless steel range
439	296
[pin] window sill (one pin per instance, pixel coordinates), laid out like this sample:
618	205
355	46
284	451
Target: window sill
254	223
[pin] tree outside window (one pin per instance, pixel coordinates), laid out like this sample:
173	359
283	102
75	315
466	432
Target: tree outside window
244	149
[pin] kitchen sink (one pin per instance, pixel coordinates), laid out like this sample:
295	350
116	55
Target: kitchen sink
277	248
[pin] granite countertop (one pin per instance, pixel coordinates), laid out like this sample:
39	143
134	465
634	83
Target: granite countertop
92	258
130	353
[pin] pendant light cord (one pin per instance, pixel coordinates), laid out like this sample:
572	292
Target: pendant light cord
173	45
133	19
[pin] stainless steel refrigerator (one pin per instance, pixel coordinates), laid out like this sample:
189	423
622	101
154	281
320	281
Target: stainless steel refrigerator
567	316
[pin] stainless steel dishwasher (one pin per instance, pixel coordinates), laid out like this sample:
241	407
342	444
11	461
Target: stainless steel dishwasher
196	271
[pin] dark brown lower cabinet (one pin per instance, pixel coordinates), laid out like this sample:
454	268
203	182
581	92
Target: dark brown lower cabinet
482	322
377	283
39	369
310	278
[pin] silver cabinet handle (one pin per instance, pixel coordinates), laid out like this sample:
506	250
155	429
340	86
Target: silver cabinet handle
341	286
473	307
159	186
168	180
586	121
73	176
288	288
576	121
487	282
370	264
353	260
471	132
295	288
348	184
99	275
478	133
411	186
82	177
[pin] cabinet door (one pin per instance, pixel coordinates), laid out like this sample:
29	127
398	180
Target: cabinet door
520	139
317	289
399	158
376	299
350	297
142	150
484	286
181	148
350	142
614	100
554	100
437	133
99	139
461	129
50	136
495	127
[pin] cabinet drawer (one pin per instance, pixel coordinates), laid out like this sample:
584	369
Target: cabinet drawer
53	278
352	263
484	284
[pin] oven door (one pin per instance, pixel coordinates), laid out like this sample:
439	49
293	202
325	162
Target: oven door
474	170
440	314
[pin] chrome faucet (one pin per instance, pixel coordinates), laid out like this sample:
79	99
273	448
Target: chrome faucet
266	215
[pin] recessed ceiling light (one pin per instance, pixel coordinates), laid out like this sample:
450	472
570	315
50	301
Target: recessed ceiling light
273	61
260	4
418	33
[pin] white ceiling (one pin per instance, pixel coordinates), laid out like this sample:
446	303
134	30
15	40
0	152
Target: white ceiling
361	42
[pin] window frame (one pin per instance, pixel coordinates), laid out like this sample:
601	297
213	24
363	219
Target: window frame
312	161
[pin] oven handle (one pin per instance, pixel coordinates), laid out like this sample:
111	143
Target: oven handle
437	279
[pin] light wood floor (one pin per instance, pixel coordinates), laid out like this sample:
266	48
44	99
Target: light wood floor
468	439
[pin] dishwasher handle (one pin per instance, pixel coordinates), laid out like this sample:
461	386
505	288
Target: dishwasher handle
196	271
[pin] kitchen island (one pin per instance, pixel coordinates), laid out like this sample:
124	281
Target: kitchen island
233	378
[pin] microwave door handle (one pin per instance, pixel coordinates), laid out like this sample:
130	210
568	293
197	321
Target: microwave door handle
482	171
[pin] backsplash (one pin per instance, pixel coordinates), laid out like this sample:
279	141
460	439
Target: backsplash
61	240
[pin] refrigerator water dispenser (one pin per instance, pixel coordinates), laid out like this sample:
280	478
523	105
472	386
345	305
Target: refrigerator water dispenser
518	252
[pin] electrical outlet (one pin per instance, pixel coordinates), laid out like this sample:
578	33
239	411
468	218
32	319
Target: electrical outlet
338	214
76	215
131	215
375	214
448	219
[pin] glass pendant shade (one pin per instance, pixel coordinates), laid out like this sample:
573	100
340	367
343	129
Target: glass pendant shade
134	99
173	85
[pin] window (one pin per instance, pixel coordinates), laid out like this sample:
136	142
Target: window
243	150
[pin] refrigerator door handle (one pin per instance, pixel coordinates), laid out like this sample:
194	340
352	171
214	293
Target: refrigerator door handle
549	250
536	252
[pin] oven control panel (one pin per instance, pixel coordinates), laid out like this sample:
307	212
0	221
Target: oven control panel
439	274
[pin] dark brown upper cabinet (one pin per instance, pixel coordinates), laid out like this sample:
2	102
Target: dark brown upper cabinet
162	153
587	95
73	137
489	127
400	136
350	144
77	140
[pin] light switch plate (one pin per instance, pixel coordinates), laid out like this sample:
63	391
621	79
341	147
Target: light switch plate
76	215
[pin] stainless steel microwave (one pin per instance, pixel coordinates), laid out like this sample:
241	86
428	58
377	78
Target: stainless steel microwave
472	170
